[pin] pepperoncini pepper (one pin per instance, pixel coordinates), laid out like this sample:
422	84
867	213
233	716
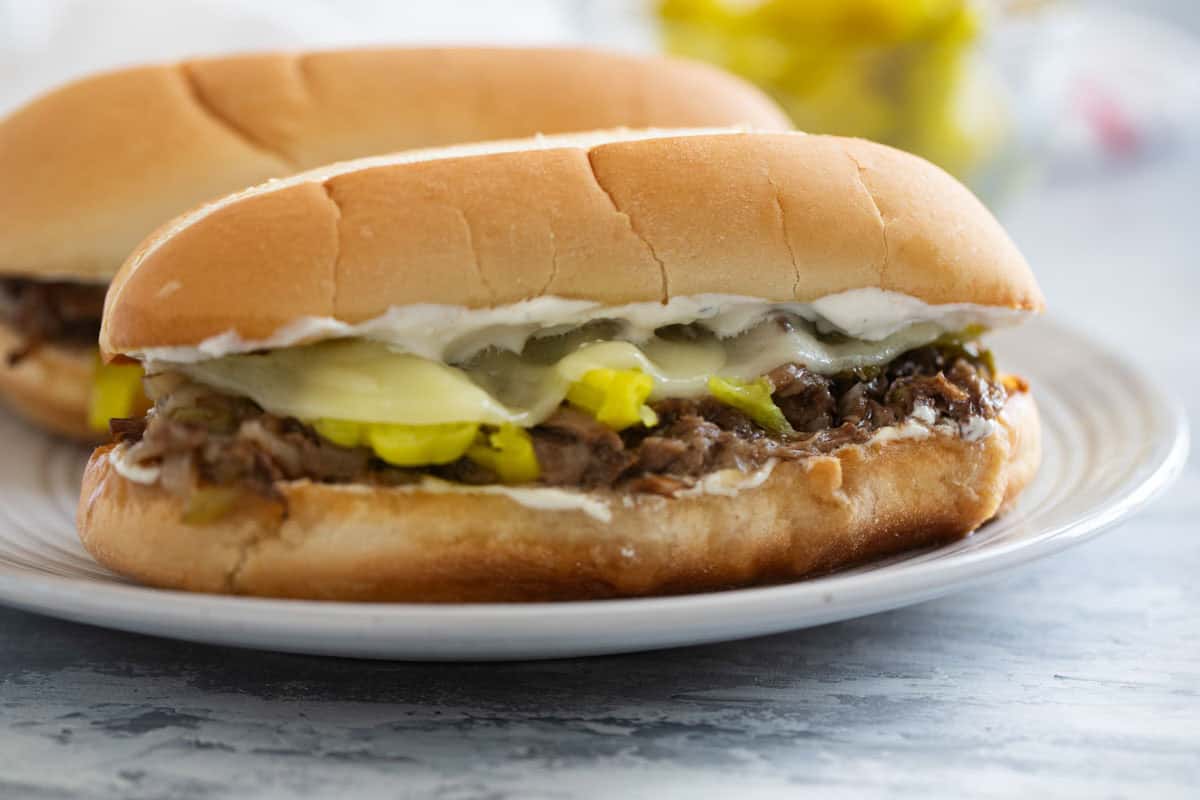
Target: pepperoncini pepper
414	445
207	504
615	397
341	432
116	392
403	445
896	71
509	453
752	398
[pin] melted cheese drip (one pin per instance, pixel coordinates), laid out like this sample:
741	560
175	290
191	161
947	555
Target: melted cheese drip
365	381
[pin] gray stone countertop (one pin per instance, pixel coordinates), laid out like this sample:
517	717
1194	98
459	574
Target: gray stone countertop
1078	676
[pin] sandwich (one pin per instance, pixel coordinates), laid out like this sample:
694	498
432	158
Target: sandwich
93	167
576	367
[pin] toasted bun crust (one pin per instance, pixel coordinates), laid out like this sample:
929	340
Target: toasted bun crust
781	216
91	168
345	543
50	387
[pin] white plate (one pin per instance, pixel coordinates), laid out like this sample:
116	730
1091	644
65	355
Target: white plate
1112	440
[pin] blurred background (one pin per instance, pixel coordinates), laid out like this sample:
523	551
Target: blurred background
1079	122
990	89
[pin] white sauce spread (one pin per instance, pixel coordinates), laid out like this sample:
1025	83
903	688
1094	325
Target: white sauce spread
541	498
729	482
924	413
977	428
454	333
129	470
909	429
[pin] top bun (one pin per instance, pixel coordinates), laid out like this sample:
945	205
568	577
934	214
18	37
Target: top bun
89	169
779	216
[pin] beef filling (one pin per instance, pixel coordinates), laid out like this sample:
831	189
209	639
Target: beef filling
201	437
50	312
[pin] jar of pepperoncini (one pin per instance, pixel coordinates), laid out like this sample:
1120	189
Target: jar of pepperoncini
902	72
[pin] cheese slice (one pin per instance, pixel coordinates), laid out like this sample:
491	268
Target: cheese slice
366	381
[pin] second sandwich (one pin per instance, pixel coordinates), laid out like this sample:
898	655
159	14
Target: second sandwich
93	167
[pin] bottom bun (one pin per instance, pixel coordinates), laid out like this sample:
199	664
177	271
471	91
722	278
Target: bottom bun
50	387
418	544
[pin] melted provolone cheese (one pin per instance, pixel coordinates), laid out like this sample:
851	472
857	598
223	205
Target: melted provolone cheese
366	381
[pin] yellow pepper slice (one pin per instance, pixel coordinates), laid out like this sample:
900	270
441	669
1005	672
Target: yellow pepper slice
509	453
209	504
753	399
402	445
416	445
821	59
116	392
615	397
340	431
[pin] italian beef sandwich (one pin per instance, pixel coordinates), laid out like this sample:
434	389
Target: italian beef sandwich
573	367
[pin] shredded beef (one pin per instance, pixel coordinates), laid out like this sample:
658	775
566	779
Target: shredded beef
200	436
127	429
864	404
573	449
48	311
694	437
223	440
805	397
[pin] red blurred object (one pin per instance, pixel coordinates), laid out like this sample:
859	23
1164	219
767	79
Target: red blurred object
1116	131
